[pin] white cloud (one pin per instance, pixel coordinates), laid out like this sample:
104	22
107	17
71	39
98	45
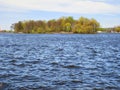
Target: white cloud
68	6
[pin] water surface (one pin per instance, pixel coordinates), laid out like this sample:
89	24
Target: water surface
59	62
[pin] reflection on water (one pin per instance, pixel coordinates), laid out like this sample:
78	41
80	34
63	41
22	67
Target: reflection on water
59	62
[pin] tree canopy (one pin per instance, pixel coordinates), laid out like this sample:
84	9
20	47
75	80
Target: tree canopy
63	24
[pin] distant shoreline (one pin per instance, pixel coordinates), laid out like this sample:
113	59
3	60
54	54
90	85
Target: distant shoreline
60	33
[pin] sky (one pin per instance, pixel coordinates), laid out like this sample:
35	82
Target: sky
107	12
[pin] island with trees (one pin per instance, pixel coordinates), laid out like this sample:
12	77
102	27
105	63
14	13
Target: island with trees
62	25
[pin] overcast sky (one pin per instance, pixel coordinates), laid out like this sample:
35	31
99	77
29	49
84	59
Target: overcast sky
107	12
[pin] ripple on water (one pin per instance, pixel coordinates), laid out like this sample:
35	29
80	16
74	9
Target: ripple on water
71	66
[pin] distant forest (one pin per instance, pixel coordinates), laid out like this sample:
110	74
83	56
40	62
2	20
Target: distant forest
62	25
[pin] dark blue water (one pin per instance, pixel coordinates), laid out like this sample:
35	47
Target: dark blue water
59	62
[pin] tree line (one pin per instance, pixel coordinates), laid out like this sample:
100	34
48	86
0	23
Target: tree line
63	24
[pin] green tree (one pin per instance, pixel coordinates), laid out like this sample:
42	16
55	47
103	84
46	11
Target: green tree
18	27
68	27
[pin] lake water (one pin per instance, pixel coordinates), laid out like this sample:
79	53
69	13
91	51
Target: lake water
59	62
